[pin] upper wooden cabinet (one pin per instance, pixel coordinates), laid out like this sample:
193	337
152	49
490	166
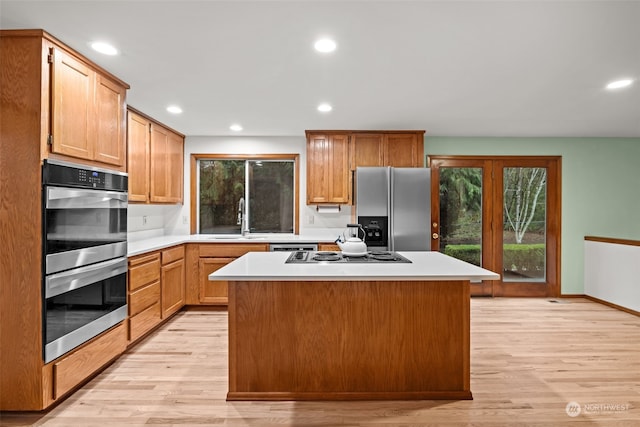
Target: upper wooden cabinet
155	158
404	149
328	177
401	149
332	156
367	149
78	107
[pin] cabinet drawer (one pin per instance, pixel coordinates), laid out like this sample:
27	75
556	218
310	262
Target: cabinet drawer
75	368
143	298
328	247
144	321
145	273
231	250
172	254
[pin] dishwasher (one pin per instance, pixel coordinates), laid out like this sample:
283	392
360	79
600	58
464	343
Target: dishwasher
290	247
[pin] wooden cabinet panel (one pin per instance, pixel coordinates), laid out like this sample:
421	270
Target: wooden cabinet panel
172	254
143	298
317	169
333	156
72	112
172	287
202	260
404	150
339	174
138	140
332	247
159	164
156	161
231	250
367	149
75	368
143	322
328	175
175	167
213	291
110	122
166	165
87	117
144	270
145	291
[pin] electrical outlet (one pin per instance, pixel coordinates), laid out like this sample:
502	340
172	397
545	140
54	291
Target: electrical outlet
144	220
310	219
185	219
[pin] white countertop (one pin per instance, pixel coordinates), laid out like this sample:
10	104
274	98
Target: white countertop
270	266
138	247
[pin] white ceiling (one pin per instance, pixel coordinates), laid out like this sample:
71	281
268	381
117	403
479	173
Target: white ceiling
456	68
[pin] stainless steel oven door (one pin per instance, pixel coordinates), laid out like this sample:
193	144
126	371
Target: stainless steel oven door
83	226
82	303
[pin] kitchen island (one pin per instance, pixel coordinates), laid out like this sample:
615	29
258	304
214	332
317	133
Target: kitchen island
343	331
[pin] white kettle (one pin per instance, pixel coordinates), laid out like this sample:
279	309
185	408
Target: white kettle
350	244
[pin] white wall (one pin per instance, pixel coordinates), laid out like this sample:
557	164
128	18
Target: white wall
612	273
176	219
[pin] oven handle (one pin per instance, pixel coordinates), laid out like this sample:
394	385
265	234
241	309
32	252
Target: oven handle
59	283
83	198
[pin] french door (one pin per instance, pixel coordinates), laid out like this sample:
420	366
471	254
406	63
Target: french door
501	213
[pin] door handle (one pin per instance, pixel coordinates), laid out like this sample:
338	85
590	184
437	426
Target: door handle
435	236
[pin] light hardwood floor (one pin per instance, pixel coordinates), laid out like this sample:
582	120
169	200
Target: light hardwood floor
529	359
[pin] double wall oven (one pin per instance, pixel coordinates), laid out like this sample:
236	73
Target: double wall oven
84	254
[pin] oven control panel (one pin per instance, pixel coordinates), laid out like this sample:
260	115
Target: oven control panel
91	178
71	175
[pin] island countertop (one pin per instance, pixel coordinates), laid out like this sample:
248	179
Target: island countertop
424	266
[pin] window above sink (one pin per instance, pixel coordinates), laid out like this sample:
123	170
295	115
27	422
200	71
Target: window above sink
223	185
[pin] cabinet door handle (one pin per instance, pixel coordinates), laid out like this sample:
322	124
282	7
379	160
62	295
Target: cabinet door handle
435	236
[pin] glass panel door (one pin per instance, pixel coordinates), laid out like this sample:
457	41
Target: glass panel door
501	213
461	213
462	209
524	224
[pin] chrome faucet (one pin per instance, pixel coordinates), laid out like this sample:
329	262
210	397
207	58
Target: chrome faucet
242	217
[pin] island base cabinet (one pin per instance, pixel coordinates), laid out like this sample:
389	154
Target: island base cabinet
349	340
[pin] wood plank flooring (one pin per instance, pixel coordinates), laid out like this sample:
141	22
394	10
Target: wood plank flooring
529	359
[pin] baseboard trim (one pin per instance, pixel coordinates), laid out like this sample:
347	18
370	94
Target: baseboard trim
612	305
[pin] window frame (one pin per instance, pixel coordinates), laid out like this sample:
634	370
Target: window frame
253	157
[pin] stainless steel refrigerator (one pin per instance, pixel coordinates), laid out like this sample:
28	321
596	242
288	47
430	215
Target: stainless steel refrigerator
394	207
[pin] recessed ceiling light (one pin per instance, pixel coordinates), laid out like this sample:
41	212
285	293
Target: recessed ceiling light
235	127
104	48
325	45
620	84
325	108
174	109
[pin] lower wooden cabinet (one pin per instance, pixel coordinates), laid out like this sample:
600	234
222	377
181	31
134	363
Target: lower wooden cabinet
144	294
212	292
330	247
205	259
156	289
70	371
144	321
172	279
